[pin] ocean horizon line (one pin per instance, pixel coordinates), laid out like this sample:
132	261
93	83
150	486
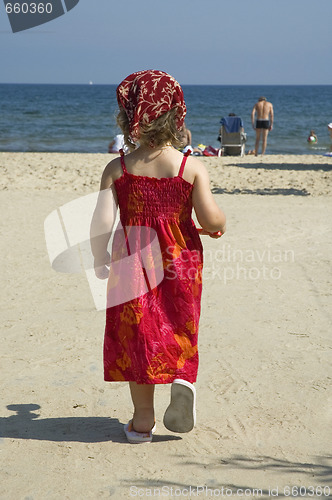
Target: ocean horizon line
92	84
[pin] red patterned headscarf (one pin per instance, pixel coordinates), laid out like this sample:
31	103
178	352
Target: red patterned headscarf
146	95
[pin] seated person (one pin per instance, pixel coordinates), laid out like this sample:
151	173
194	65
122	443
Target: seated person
232	123
185	139
117	144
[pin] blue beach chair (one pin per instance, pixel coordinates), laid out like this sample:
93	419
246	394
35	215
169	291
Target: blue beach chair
232	136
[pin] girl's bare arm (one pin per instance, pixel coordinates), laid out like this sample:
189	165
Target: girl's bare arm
103	218
208	214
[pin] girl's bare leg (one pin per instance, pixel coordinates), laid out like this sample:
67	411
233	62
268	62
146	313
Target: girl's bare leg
143	398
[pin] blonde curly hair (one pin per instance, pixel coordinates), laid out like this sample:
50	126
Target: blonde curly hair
161	131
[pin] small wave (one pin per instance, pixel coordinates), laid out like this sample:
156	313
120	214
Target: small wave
34	112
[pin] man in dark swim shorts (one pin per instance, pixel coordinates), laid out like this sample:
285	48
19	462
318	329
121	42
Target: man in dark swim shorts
264	122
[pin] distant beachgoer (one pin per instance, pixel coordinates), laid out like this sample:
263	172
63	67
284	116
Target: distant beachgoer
117	144
264	122
330	131
312	137
185	139
235	124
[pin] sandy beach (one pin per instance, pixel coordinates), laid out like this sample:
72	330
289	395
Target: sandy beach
264	402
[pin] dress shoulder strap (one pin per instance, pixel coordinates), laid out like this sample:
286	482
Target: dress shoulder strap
123	165
184	160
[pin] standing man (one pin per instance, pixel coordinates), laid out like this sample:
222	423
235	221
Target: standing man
264	122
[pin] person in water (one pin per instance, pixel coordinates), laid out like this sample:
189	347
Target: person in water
312	137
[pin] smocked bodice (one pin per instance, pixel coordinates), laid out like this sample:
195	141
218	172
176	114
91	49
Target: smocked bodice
142	198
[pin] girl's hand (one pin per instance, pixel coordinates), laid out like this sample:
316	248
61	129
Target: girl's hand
101	267
215	235
102	272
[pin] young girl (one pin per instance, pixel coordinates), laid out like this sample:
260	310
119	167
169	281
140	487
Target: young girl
152	338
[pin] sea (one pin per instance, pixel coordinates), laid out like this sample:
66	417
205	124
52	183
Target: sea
82	118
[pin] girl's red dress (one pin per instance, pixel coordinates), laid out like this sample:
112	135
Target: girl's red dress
152	338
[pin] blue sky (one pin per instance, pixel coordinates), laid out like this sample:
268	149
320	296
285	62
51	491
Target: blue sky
198	42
